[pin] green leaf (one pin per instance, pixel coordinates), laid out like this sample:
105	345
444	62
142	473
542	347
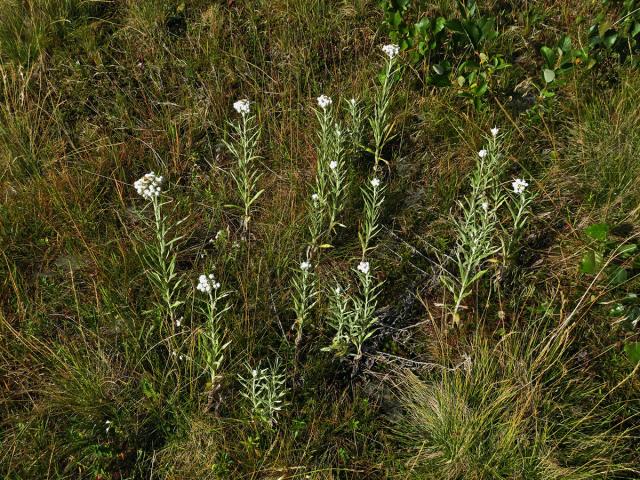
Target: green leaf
549	75
598	231
618	275
549	56
588	263
422	26
610	40
396	19
632	349
481	90
627	250
602	28
439	24
455	26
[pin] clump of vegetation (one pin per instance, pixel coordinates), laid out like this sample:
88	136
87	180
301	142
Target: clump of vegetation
413	253
508	409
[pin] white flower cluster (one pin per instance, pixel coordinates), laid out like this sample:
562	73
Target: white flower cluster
333	165
149	185
494	131
324	102
304	266
375	182
519	185
206	283
391	50
482	153
363	267
243	107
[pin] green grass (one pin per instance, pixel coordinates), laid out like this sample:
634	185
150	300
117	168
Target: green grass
516	408
533	384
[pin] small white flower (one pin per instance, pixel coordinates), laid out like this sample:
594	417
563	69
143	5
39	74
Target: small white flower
314	197
494	131
243	107
324	101
206	283
482	153
338	290
375	182
353	102
254	373
333	165
149	185
519	185
304	266
178	322
485	206
363	267
391	50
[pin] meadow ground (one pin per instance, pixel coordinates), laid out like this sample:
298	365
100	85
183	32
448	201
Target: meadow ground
411	253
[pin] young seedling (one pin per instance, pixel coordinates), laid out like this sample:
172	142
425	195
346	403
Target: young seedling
265	390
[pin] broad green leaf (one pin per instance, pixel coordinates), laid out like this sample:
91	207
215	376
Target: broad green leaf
439	24
588	263
618	275
632	349
610	40
548	56
396	19
565	44
598	231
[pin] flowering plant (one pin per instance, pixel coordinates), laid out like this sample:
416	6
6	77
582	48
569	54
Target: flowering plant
243	147
160	256
304	297
211	344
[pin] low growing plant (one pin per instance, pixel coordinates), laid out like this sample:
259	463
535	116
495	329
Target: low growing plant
265	390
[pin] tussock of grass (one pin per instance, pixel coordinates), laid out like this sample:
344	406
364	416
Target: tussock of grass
515	408
604	152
